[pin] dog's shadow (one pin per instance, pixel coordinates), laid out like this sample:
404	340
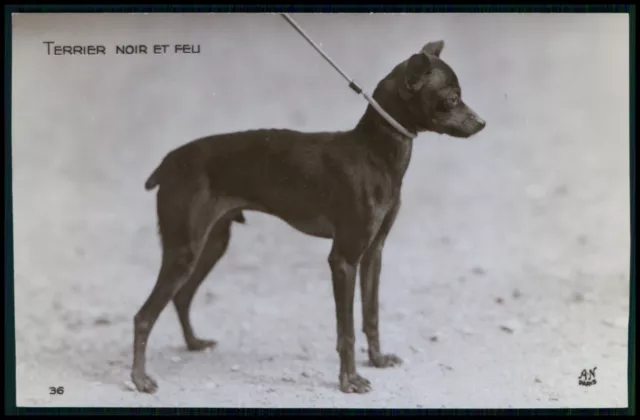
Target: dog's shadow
300	368
274	370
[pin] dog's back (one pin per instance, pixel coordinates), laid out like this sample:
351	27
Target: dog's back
277	158
273	159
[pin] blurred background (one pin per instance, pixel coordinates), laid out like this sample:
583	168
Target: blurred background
506	274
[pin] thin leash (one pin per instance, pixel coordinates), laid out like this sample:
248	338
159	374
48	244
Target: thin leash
352	84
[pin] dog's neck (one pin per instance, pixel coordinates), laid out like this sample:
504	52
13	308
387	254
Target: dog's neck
385	141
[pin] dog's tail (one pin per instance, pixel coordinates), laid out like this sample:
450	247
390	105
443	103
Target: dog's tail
154	179
239	218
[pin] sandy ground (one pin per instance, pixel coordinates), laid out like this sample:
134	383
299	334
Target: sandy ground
507	272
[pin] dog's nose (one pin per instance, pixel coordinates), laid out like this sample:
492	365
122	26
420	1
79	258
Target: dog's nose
481	123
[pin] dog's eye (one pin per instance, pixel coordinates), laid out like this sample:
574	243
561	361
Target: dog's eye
452	102
446	105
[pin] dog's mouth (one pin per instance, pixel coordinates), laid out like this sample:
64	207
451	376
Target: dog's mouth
460	134
440	129
459	125
453	132
469	129
448	131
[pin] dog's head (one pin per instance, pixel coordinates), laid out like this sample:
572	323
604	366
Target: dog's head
430	94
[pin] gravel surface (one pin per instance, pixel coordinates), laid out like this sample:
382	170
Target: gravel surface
506	274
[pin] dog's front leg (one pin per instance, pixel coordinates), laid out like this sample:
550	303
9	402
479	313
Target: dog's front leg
343	275
370	267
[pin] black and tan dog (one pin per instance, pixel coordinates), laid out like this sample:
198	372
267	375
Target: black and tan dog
343	186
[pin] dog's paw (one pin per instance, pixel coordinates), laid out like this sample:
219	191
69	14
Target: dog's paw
385	360
144	383
354	383
198	345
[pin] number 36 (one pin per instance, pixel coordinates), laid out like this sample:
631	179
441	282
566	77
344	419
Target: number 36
56	391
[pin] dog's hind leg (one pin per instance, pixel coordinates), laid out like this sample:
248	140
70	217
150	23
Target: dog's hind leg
214	249
185	216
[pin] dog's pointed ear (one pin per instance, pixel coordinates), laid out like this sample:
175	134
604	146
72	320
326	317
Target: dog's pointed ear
415	75
433	48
